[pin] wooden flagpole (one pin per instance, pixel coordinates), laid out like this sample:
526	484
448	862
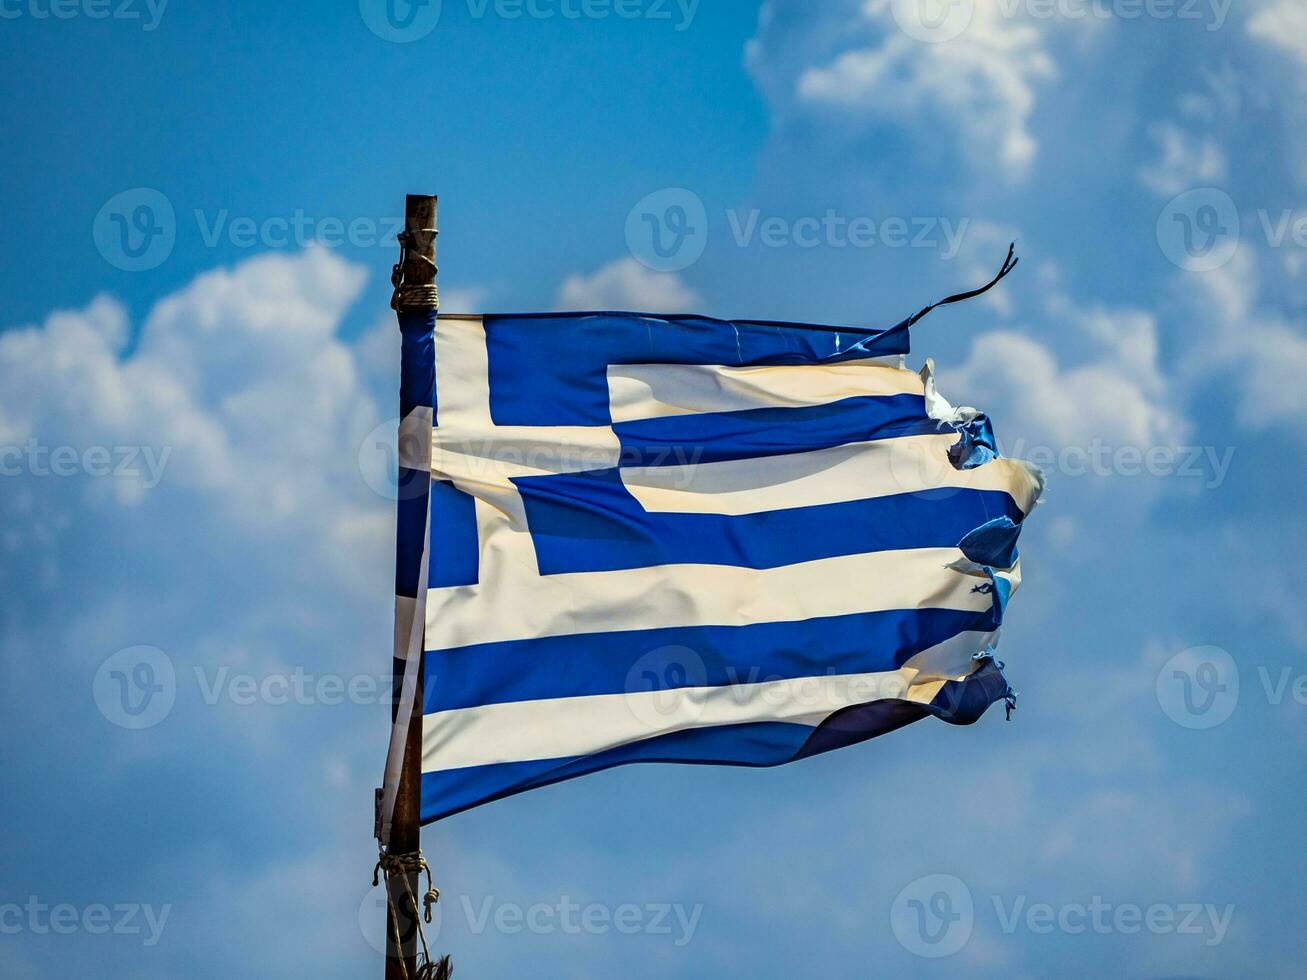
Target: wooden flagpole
415	291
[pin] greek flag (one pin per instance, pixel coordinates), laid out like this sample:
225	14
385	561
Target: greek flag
636	538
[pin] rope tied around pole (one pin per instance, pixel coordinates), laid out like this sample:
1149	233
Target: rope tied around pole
405	294
404	867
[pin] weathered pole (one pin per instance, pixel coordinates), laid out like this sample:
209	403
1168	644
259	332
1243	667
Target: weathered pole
415	291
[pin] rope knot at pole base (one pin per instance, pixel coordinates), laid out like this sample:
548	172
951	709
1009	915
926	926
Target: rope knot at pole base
404	867
408	295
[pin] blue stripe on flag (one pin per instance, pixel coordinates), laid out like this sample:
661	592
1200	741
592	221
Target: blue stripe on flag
454	547
417	374
411	518
710	437
687	656
589	522
523	394
754	744
416	390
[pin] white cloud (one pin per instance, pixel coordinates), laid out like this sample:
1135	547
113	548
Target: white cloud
1117	397
239	378
264	421
1282	24
1262	352
627	285
261	550
1184	161
982	82
1220	97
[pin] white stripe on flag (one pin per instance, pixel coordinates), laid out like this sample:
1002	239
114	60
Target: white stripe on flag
415	439
513	603
909	464
564	727
645	391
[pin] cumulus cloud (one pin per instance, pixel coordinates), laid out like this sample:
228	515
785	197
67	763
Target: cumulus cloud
1184	161
1117	396
1261	352
1283	24
259	550
291	548
238	377
627	285
981	81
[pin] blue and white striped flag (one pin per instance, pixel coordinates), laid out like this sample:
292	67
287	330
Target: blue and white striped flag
680	539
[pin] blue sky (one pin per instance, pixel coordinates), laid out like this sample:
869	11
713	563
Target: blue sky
189	467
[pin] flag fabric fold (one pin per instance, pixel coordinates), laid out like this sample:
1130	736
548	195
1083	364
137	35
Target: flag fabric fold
633	538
